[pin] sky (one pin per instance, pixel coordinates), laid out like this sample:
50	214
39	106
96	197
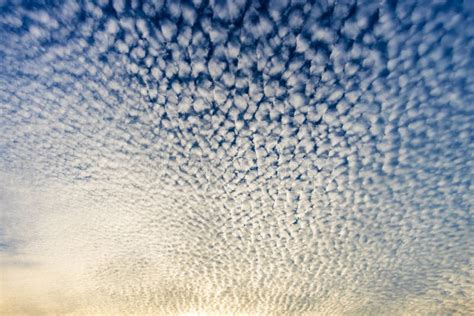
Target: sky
236	157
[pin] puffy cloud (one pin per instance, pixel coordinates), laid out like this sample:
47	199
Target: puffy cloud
166	157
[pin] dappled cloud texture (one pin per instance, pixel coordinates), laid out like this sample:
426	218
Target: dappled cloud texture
236	157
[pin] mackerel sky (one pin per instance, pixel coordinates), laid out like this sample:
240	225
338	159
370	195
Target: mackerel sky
236	157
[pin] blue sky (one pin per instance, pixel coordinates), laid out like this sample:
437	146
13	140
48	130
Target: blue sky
236	157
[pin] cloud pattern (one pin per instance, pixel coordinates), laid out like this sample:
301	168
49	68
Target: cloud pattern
236	157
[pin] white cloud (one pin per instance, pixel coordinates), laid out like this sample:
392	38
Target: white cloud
233	157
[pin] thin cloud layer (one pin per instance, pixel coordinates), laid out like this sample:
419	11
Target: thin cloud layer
236	157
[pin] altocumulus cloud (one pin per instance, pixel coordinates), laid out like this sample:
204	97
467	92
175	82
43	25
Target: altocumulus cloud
236	157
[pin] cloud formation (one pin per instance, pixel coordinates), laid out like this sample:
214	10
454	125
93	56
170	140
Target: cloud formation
281	157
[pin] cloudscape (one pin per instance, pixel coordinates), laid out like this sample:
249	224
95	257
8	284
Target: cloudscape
236	157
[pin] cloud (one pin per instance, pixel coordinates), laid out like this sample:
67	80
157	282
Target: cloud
236	157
